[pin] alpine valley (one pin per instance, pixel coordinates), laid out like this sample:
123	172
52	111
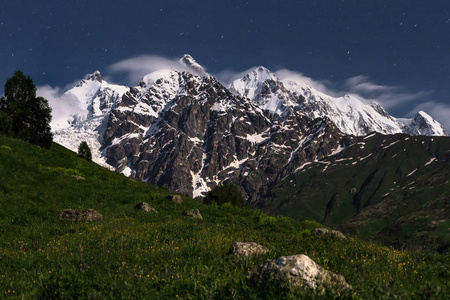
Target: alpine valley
291	149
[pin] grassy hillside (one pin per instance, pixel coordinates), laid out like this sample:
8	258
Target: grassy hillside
131	254
394	189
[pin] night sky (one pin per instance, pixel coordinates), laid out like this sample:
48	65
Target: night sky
394	52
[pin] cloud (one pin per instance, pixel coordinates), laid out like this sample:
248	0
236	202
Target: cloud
320	85
226	77
390	97
63	106
438	111
137	67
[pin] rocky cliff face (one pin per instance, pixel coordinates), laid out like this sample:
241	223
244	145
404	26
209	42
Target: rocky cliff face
187	131
190	133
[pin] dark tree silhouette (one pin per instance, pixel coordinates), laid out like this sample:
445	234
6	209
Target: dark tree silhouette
30	115
84	151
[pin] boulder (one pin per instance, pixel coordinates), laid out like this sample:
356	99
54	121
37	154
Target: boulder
298	271
247	249
175	198
325	231
79	215
194	213
144	206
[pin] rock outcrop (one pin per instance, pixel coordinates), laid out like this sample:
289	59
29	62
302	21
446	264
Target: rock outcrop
298	271
324	231
247	249
175	198
79	215
144	206
193	213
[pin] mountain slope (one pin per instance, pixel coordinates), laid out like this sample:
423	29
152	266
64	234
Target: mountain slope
348	113
393	189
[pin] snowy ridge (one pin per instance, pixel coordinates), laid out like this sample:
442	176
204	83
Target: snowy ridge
185	130
348	113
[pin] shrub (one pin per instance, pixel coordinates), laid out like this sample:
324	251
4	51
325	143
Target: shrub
84	151
227	193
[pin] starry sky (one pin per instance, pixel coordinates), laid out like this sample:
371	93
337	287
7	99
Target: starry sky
394	52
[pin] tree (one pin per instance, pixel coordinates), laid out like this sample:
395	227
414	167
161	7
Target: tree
30	115
84	151
227	193
5	123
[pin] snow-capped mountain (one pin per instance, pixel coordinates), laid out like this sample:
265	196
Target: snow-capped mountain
186	131
348	113
96	98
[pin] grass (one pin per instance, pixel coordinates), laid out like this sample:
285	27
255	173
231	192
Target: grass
131	254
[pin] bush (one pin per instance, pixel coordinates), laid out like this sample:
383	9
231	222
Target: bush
227	193
84	151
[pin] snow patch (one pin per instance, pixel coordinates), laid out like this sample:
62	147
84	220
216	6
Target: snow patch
430	161
411	172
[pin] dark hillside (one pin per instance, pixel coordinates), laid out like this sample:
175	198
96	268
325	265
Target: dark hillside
393	189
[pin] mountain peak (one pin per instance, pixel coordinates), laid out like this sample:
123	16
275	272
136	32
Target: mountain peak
424	124
189	62
95	76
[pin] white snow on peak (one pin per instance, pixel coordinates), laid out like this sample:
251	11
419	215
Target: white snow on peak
160	75
190	63
350	114
94	93
251	84
263	87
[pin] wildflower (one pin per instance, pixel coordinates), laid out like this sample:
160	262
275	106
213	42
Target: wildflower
362	272
428	293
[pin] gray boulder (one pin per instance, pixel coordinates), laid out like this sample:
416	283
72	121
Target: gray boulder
298	271
175	198
324	231
144	206
247	249
193	213
80	215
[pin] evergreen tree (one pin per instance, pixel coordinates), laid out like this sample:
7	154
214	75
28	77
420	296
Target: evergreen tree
5	123
30	115
227	193
84	151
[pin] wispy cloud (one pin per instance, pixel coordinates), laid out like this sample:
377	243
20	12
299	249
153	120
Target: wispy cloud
63	106
227	76
320	85
137	67
390	97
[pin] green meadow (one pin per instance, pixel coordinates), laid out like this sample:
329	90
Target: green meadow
165	255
